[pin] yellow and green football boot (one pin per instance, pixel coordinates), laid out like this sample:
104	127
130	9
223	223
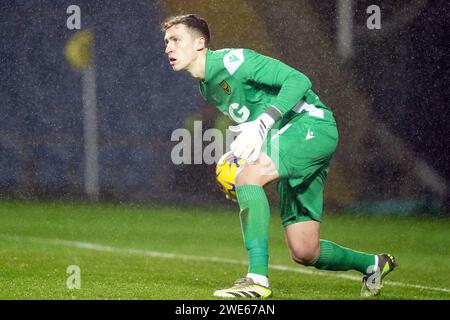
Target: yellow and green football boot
373	282
245	288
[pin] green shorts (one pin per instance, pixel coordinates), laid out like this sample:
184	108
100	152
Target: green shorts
302	150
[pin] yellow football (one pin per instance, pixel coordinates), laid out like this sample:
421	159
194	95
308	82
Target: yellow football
225	172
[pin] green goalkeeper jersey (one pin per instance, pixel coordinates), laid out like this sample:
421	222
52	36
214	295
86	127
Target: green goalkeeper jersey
243	84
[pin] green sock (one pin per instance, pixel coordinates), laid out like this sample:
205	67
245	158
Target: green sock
255	217
335	257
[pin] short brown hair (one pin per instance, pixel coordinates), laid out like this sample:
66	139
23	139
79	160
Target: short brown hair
192	21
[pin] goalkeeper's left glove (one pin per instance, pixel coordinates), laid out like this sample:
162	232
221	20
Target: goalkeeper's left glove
252	135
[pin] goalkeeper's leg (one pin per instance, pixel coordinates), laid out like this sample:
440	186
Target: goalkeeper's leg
255	216
308	249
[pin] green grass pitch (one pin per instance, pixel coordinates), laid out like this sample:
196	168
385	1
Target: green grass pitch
162	253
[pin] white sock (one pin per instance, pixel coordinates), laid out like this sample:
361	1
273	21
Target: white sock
375	268
259	279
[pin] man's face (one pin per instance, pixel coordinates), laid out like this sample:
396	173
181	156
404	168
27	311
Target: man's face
181	47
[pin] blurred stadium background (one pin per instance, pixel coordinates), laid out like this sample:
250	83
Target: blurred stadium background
387	87
85	132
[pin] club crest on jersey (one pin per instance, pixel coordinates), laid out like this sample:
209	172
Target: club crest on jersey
226	87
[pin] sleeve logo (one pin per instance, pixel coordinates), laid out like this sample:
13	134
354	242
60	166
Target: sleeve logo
238	113
233	59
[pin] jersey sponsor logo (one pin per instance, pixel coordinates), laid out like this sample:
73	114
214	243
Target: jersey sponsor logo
226	87
238	113
233	59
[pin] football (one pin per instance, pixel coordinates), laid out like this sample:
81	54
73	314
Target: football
226	170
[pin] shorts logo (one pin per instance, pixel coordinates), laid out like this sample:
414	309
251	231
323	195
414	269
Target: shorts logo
226	87
309	135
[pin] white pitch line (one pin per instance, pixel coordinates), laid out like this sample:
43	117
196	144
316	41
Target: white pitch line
166	255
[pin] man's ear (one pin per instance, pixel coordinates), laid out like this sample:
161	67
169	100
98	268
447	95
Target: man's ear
201	43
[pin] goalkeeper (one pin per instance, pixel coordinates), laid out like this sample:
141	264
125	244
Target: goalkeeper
260	94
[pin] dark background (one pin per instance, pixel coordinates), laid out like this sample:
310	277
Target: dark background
140	101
